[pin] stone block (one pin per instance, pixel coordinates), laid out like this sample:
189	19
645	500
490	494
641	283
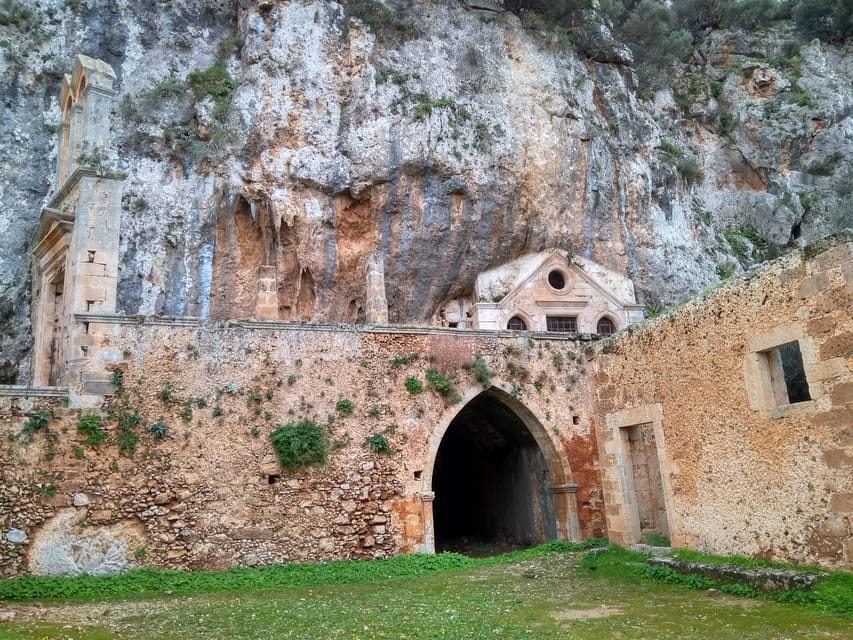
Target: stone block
93	293
821	326
837	459
98	388
92	269
841	502
834	257
842	393
828	369
839	345
813	285
835	418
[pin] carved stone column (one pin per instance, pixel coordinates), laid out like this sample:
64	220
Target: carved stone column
566	507
427	498
266	303
377	304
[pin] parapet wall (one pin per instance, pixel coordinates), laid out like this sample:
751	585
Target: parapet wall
211	492
742	469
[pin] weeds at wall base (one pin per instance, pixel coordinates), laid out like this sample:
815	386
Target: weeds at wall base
152	582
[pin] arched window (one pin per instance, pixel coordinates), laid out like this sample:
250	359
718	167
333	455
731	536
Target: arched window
516	324
605	327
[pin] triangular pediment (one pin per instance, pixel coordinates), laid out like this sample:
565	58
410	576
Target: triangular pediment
557	259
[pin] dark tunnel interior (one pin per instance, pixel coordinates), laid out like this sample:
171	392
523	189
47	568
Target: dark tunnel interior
491	482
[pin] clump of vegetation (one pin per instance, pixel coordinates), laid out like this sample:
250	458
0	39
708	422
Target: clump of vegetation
377	443
128	423
381	20
36	422
299	444
91	425
166	394
14	13
441	383
404	359
216	83
482	372
414	385
344	406
746	244
725	270
159	429
829	20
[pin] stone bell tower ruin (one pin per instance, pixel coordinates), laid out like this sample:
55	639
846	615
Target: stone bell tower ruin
75	254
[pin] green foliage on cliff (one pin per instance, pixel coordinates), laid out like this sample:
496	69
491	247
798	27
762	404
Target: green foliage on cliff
216	83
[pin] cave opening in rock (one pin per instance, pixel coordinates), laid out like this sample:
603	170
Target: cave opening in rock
491	482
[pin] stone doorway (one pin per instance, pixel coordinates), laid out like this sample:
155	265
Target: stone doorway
644	480
493	487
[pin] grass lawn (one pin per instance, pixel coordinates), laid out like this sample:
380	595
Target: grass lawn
540	594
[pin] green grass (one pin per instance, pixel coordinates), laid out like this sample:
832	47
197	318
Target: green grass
537	593
154	582
833	593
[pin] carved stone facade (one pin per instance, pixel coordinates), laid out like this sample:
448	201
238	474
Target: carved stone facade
551	291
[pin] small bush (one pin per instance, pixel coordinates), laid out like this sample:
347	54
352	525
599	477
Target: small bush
128	423
166	393
299	444
159	429
90	425
377	443
16	14
380	19
413	385
671	149
36	422
344	406
690	170
725	270
441	383
214	82
482	372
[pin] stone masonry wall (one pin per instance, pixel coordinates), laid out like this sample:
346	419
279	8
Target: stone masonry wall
211	493
742	472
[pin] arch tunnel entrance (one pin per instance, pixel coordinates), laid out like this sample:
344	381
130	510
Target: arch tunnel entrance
492	484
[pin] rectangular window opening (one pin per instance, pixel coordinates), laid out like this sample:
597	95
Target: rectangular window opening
787	374
565	324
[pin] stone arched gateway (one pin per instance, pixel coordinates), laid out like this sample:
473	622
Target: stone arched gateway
494	475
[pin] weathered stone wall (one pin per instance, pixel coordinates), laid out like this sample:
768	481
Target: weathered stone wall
211	493
742	471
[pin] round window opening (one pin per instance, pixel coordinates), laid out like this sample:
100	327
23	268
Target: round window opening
557	280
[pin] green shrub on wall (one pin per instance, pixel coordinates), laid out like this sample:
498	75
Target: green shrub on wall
378	443
91	425
299	444
413	385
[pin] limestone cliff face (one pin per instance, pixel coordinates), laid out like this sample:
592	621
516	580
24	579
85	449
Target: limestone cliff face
449	138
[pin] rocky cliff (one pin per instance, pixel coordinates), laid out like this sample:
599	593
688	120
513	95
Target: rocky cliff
448	137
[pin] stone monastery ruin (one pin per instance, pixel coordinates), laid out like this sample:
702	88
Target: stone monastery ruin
541	407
